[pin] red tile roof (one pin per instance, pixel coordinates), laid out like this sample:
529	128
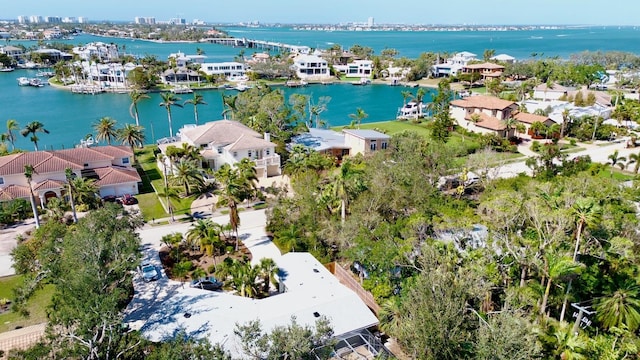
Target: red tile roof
116	175
486	65
488	122
49	184
115	151
82	156
13	192
483	102
530	118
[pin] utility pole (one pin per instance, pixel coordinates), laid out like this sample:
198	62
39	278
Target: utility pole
581	311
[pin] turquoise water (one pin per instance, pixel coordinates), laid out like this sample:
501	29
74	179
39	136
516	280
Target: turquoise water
69	116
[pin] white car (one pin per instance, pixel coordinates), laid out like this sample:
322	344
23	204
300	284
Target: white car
149	272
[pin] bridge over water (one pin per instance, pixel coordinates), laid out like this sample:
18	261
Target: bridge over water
259	44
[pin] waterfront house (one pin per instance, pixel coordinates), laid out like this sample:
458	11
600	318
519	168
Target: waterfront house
230	70
311	67
183	60
180	75
52	55
483	114
110	166
357	68
99	50
453	65
12	51
228	142
487	70
339	144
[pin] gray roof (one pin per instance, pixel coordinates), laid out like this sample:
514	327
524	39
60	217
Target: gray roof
320	139
366	134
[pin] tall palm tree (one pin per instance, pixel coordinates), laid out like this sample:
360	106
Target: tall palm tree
68	173
509	123
136	97
556	267
28	174
634	159
169	194
197	100
622	308
232	186
187	174
32	129
106	130
132	135
229	105
356	119
343	184
12	125
169	100
586	212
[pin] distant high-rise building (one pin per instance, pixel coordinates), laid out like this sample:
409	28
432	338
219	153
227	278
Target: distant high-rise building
144	20
23	19
177	21
35	19
53	19
82	20
69	20
370	21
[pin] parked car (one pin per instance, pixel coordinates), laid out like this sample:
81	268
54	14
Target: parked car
207	283
149	272
109	198
129	200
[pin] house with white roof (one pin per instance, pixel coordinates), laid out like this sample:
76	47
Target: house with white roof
231	70
111	167
357	68
183	60
504	58
311	67
228	142
100	50
453	65
307	291
12	51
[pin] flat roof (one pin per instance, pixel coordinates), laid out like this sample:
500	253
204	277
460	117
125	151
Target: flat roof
310	290
366	134
320	139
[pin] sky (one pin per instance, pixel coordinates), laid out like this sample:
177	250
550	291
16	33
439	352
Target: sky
516	12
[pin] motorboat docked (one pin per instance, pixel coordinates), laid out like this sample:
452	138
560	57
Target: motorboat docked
181	90
242	87
6	69
23	81
412	110
35	82
294	84
47	74
362	81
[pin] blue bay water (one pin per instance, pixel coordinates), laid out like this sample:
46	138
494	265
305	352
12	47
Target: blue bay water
69	117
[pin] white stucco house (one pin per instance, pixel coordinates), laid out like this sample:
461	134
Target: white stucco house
311	67
228	142
231	70
453	65
356	69
110	166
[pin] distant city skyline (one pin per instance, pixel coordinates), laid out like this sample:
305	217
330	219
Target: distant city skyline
502	12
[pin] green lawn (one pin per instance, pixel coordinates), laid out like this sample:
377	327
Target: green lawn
36	306
617	174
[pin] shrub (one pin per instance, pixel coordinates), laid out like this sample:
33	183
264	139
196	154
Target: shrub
535	146
573	142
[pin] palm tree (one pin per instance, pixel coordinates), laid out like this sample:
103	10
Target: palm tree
169	194
405	95
106	129
622	308
614	160
187	174
586	212
390	316
634	159
509	123
197	100
232	186
538	128
229	105
565	120
556	268
358	117
68	173
32	129
169	100
85	191
343	186
132	135
136	97
28	173
12	125
269	270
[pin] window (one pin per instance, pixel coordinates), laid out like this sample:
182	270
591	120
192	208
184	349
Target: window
249	154
268	151
235	154
373	146
125	160
1	181
383	145
219	150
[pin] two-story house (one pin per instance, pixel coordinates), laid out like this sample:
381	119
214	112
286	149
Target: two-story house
110	166
228	142
231	70
453	65
484	114
311	67
339	144
486	70
357	68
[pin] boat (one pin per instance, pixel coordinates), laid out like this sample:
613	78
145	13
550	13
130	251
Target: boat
47	74
35	82
23	81
181	90
362	81
412	110
242	87
6	69
294	84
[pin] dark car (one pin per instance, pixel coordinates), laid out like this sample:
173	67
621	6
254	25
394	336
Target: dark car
129	200
109	198
149	272
207	283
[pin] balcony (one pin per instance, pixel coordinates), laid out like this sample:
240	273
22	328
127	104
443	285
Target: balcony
266	161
